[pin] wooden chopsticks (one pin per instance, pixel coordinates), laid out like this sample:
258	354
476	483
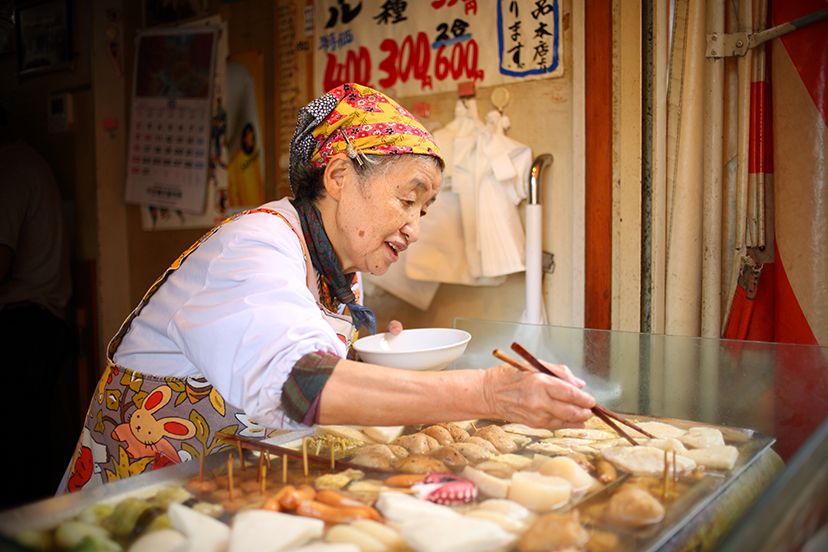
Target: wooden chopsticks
605	414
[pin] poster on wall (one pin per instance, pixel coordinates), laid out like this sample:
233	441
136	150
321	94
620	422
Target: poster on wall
414	48
245	129
154	217
170	118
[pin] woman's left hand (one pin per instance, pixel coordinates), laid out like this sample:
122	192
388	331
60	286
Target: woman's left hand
394	327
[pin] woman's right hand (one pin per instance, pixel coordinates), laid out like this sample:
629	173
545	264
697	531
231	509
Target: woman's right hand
536	399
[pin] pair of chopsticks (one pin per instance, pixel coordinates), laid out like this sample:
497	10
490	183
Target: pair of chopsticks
605	414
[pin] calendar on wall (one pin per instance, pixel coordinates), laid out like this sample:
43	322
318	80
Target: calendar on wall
170	125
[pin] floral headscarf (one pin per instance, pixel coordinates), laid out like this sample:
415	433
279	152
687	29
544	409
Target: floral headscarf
356	117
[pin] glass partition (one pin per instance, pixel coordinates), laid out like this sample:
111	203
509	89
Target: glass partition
779	390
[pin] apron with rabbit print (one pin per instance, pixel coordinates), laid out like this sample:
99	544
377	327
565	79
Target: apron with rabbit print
137	422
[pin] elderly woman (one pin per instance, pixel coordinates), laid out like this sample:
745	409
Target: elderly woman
255	321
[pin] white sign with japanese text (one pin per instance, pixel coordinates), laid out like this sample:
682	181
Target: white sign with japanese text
414	48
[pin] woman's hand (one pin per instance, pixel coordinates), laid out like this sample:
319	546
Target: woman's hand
394	327
536	399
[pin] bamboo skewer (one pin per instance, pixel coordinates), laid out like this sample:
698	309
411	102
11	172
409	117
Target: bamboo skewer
253	444
305	455
230	476
241	456
675	472
284	469
604	414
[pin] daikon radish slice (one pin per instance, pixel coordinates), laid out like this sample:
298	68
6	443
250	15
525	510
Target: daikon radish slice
204	534
461	534
267	531
562	466
539	493
488	485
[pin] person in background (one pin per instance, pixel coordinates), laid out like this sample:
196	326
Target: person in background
251	328
35	340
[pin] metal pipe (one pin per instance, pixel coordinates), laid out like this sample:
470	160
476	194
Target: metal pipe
541	162
534	313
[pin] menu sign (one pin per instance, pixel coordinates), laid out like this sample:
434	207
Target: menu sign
414	48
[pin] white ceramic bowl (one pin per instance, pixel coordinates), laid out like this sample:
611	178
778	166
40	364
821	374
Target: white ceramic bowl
417	349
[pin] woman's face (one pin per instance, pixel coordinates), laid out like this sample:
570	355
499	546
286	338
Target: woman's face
377	219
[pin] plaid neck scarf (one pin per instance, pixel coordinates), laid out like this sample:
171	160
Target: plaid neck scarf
326	262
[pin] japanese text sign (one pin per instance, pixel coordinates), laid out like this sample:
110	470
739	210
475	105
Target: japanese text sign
428	46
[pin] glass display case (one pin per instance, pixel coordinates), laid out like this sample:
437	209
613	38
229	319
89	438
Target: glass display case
779	390
771	398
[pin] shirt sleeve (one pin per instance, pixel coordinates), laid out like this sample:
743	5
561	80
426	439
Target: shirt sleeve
249	316
300	394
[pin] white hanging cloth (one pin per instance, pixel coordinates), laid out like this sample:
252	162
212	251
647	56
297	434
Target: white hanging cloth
448	249
502	187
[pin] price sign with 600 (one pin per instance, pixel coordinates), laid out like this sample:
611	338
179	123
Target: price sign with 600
412	58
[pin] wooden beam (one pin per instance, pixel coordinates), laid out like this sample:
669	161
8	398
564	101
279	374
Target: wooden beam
598	173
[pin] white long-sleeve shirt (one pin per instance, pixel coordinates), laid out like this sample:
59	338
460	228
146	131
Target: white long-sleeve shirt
238	311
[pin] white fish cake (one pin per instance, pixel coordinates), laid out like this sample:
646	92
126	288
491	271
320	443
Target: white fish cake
646	461
508	508
515	461
591	434
389	536
620	442
659	430
345	432
548	448
257	530
568	441
346	534
669	445
465	534
703	437
521	429
505	522
383	434
520	440
556	449
721	457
